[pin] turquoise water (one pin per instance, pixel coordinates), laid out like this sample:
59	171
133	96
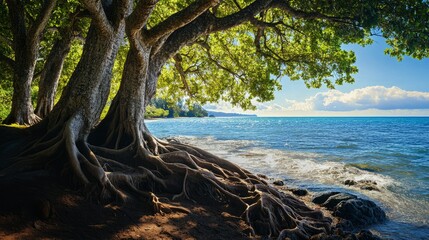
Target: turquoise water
320	153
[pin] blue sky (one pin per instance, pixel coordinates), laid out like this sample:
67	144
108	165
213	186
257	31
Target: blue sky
383	87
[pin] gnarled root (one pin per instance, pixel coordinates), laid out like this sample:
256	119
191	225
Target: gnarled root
150	171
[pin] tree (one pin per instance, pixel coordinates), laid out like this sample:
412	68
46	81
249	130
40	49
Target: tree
25	44
197	111
212	50
68	30
154	112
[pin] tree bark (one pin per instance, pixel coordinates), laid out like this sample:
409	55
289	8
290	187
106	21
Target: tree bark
88	88
22	108
60	140
26	46
26	52
51	74
125	118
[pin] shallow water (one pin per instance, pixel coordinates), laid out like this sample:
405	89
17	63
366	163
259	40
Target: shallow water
321	153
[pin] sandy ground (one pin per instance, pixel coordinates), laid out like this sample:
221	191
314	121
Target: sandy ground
43	210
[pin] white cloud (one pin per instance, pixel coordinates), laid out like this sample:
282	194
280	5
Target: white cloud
374	97
368	101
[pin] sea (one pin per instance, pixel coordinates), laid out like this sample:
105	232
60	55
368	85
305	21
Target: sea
321	153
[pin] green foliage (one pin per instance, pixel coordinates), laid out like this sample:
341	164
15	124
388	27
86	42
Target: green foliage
177	109
5	100
243	64
197	111
154	112
406	28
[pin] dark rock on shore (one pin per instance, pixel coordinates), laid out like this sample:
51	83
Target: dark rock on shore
322	197
278	183
299	192
363	184
359	212
334	200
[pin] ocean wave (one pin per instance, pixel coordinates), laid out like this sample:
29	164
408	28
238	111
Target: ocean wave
312	169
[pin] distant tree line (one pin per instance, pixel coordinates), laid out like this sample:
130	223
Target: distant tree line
161	108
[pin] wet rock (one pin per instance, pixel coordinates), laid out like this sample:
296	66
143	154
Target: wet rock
360	212
351	209
320	198
366	235
350	182
371	182
369	188
278	183
363	184
334	200
299	192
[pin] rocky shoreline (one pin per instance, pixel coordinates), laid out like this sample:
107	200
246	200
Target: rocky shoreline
351	215
49	211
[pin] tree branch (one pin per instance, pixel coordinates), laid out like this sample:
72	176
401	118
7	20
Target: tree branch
285	6
98	14
138	18
178	65
17	21
41	21
178	20
207	23
244	15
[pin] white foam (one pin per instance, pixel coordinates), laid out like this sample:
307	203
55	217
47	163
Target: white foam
313	168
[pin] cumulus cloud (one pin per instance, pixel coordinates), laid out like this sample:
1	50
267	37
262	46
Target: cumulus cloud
368	101
373	97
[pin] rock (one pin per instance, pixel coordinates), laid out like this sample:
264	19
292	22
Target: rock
320	198
350	182
351	209
278	183
367	235
334	200
371	182
360	212
363	184
369	188
299	192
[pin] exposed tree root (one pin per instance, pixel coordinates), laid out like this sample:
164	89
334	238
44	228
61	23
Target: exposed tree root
143	170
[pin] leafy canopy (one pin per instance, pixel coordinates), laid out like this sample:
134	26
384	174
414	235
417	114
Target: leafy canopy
303	42
300	39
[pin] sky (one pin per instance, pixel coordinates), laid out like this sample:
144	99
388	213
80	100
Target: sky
383	86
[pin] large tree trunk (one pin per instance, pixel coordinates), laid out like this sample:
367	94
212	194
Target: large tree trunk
22	111
125	120
51	74
120	158
26	53
26	43
145	164
59	141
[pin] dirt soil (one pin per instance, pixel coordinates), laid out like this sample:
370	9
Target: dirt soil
40	209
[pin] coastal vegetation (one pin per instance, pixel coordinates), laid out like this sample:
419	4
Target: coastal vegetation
161	108
80	60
